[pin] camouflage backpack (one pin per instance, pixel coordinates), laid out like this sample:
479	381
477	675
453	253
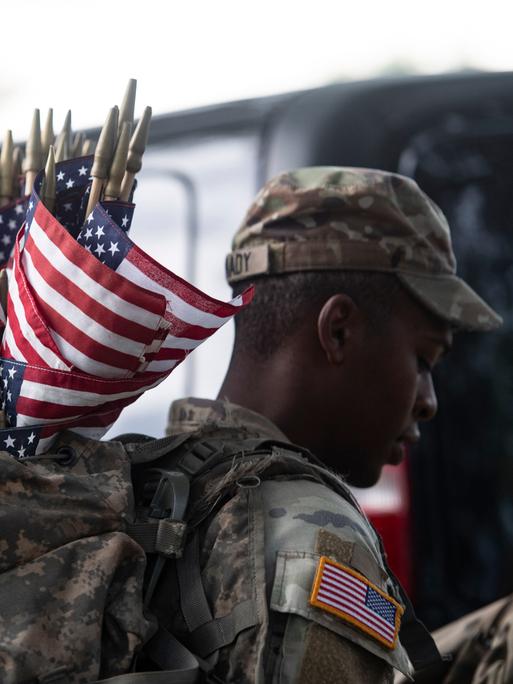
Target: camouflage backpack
85	533
71	574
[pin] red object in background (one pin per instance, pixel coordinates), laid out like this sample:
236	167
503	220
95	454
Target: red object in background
387	506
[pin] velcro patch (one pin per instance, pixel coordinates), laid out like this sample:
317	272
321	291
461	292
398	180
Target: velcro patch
343	592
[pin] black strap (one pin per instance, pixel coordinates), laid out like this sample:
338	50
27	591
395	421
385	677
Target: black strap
193	601
417	641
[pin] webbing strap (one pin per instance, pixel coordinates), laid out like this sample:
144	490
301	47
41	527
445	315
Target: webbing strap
177	663
208	634
159	536
144	452
169	677
222	631
193	601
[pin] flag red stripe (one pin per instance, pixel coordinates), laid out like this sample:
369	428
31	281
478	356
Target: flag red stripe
88	383
94	309
23	345
85	344
86	262
192	332
338	584
347	607
173	283
343	595
42	411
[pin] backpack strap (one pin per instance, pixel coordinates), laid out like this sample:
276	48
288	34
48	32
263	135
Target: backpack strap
207	634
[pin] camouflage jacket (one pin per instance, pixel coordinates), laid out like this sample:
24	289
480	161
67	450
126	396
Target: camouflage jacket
258	556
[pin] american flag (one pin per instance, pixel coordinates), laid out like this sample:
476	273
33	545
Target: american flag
91	323
346	593
11	220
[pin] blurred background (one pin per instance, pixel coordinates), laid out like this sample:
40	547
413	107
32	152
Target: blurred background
243	90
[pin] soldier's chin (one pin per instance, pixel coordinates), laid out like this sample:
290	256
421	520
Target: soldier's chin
397	454
364	479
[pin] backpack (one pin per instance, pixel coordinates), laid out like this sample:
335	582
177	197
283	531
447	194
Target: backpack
85	534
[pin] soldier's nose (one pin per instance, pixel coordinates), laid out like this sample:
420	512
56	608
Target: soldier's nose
426	404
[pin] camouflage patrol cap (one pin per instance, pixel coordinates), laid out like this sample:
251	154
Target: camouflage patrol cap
331	218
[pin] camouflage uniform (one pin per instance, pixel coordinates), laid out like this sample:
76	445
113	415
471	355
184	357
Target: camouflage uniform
262	547
359	220
477	648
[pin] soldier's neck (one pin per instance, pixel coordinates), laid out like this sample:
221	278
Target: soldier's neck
268	388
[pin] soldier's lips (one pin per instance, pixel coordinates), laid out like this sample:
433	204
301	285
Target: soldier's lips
400	447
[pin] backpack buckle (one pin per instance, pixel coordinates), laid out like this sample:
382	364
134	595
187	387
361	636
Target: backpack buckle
171	495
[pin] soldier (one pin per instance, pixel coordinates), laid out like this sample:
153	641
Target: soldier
356	302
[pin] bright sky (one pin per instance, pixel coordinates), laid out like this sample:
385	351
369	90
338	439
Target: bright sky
66	54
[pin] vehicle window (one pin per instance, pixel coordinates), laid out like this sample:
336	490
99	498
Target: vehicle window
204	185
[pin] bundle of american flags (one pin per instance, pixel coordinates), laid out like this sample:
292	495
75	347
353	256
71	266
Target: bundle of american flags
92	321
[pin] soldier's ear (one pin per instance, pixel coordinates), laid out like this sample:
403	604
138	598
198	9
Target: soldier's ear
337	325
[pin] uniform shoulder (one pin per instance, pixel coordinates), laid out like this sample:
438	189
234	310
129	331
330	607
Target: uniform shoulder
324	564
299	512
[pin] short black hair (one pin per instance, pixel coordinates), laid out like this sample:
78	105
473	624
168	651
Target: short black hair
281	302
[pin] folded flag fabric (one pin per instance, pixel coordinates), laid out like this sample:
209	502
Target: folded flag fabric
12	217
92	321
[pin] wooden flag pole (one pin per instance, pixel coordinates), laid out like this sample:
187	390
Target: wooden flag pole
118	166
47	137
48	190
6	170
63	143
102	158
33	153
126	111
135	153
17	162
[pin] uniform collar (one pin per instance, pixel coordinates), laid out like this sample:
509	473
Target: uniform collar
191	414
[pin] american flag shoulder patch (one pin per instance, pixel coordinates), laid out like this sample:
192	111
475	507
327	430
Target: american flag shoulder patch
346	593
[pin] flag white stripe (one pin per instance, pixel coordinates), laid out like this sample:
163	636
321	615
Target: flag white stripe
332	569
92	432
109	299
48	356
76	316
39	391
172	342
346	587
11	344
343	597
357	603
161	366
86	364
175	304
387	633
23	420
